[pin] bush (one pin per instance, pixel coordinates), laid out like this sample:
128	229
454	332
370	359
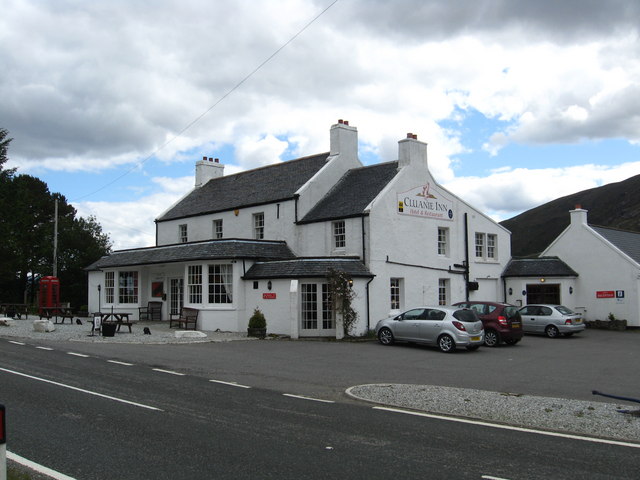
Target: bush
257	320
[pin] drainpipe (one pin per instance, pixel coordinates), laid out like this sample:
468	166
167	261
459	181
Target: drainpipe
466	255
364	258
368	306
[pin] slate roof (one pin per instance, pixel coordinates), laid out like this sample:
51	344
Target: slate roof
353	192
268	184
628	242
212	249
307	267
538	267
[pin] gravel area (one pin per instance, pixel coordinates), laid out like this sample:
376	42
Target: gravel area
160	333
597	419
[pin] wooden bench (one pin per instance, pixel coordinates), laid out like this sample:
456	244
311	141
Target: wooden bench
56	312
153	311
188	318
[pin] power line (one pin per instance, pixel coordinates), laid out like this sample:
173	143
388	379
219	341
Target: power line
203	114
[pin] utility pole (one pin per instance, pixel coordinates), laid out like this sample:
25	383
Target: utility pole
55	241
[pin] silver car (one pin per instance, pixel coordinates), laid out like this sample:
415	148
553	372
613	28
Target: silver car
446	327
551	320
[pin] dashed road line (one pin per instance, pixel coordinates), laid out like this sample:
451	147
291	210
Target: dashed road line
170	372
81	355
89	392
17	343
232	384
117	362
308	398
45	348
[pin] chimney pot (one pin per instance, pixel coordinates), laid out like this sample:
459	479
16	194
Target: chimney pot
340	121
204	158
409	135
217	160
578	206
346	122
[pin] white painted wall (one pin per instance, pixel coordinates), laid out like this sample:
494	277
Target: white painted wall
601	267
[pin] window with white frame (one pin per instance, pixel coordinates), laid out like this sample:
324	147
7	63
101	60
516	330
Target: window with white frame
182	233
194	283
128	287
394	290
492	245
109	286
217	228
443	241
315	303
258	226
443	291
339	234
221	283
480	252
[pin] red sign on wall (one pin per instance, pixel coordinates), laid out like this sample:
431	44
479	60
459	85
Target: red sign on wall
269	296
606	294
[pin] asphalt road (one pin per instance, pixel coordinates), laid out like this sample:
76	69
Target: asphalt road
188	426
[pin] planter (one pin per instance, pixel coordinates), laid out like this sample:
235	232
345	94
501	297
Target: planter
257	332
108	329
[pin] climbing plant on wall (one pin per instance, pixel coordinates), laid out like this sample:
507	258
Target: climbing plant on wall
342	294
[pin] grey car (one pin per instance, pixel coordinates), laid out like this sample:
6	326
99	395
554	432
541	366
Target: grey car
551	320
444	327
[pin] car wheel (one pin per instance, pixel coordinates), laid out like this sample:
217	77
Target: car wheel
491	338
446	344
385	336
551	331
511	341
473	348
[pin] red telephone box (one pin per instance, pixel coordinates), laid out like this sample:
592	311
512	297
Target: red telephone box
49	292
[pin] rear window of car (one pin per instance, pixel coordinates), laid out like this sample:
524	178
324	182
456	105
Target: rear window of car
564	310
468	316
512	313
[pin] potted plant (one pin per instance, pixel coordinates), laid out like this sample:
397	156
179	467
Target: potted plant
257	324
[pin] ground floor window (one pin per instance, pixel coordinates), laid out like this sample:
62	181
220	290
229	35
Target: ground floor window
394	287
109	286
443	291
221	283
194	283
128	287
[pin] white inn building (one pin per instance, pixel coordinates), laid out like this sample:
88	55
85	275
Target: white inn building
266	238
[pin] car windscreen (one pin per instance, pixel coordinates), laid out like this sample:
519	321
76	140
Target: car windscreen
564	310
468	316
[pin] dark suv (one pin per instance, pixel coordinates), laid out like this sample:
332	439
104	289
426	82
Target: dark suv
502	322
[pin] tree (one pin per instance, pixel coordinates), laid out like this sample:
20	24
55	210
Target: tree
27	210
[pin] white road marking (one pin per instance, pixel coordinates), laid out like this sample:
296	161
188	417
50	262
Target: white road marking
233	384
37	467
16	343
509	427
120	363
489	477
45	348
78	354
108	397
170	372
308	398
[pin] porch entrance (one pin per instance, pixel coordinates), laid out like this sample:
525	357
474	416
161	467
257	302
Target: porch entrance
543	293
316	311
176	295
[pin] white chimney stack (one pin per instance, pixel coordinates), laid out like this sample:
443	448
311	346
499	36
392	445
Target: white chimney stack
344	140
208	169
411	151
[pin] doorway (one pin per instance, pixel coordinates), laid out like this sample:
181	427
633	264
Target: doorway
316	311
176	295
548	293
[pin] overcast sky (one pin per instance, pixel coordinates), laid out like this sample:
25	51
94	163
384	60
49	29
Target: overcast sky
112	102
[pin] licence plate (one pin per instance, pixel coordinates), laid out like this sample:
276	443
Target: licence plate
578	320
515	325
475	339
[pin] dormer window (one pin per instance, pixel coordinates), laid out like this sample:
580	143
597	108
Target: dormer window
339	235
182	233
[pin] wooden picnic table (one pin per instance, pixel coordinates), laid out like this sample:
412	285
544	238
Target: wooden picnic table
119	318
56	312
15	309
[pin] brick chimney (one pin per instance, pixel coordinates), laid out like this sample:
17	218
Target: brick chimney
344	140
411	151
208	169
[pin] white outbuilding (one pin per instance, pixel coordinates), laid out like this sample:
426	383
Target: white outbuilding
267	238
